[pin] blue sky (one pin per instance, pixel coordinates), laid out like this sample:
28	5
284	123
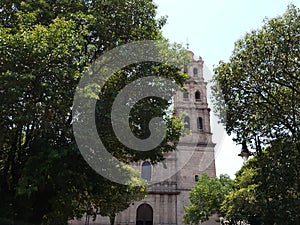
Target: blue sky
212	27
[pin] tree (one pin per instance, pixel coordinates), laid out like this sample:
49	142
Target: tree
38	78
257	96
106	198
45	47
266	189
256	93
206	198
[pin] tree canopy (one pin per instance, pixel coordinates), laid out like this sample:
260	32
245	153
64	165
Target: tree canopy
257	98
266	189
206	198
44	48
256	93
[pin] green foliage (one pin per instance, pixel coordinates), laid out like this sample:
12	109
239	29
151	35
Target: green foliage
38	79
9	222
44	48
256	93
141	113
266	189
114	198
257	97
206	198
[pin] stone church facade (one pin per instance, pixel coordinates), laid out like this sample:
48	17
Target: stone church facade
165	201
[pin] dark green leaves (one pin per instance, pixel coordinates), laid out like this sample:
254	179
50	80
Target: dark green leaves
266	189
44	48
206	198
257	92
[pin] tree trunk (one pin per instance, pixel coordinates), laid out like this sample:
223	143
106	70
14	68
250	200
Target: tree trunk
112	219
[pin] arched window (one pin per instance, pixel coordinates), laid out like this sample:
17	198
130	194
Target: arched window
185	69
198	96
146	171
199	123
196	178
195	72
185	96
187	122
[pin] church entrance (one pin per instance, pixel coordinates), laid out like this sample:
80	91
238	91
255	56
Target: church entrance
144	215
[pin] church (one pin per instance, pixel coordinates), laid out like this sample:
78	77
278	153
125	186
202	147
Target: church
165	201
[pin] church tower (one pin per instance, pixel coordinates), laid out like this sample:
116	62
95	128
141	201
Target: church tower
192	105
165	201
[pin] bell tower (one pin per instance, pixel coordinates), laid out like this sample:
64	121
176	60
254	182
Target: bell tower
191	104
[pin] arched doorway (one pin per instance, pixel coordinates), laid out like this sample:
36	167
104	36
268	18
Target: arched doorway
144	215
